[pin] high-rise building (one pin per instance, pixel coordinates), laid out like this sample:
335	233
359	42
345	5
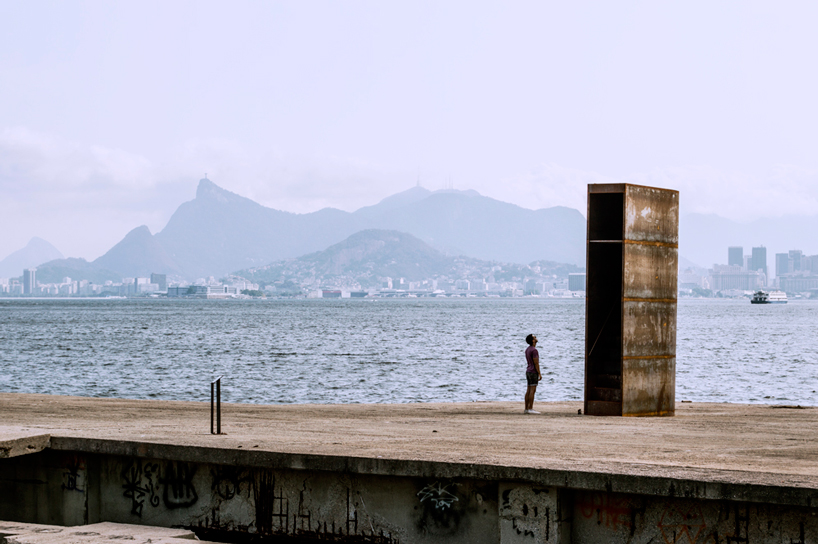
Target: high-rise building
759	260
576	281
29	280
795	260
161	280
735	256
782	264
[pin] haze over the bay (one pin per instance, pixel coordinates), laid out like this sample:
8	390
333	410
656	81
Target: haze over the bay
110	113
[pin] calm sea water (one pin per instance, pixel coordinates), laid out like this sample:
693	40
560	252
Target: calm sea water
342	351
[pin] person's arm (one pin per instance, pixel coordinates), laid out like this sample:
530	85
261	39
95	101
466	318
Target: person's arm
537	366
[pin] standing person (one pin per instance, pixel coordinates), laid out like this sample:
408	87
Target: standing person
532	373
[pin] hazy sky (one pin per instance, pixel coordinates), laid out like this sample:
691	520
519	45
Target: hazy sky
110	112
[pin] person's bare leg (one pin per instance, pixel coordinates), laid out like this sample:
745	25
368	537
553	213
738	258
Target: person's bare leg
529	397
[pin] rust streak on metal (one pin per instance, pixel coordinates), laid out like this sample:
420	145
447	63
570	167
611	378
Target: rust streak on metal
657	244
649	357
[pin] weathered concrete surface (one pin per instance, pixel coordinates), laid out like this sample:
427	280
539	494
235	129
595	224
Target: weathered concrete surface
97	533
16	441
651	214
709	451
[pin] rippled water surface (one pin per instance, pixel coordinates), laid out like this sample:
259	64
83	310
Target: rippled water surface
340	351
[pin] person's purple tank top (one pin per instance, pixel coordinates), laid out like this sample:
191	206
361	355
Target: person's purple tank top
530	354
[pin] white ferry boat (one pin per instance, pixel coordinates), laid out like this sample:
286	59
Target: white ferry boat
773	297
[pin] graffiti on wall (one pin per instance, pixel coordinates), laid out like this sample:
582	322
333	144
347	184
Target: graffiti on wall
441	509
610	511
230	481
73	476
140	482
143	483
682	523
266	505
439	495
179	491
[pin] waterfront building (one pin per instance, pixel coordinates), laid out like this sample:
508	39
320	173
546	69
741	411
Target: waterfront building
795	260
759	260
576	281
29	280
798	284
726	277
735	256
782	264
161	280
462	285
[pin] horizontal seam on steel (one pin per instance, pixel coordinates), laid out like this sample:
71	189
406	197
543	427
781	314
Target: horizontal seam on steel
645	243
668	300
648	356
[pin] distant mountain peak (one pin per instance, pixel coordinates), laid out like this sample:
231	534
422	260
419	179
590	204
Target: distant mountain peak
209	191
138	234
36	252
138	254
467	192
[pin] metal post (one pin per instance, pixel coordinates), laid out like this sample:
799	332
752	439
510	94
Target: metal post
216	399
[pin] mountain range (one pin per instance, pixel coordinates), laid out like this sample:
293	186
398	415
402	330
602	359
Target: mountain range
219	232
371	254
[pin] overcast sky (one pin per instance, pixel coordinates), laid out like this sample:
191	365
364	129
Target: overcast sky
110	112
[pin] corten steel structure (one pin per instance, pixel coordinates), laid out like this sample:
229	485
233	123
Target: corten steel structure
630	309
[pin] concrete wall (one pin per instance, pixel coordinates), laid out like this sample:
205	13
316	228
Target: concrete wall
66	488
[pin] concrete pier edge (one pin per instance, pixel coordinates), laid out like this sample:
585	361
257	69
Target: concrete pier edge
694	484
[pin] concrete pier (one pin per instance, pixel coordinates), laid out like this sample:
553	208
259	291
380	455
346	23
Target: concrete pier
469	472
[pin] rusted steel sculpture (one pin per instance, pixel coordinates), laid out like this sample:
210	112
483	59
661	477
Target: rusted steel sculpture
630	309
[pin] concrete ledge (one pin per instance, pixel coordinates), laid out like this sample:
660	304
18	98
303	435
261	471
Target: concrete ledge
692	483
97	533
15	443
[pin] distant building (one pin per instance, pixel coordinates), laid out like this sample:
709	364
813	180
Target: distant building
795	256
203	291
576	281
160	280
331	293
782	264
735	256
759	260
726	277
798	284
29	280
531	285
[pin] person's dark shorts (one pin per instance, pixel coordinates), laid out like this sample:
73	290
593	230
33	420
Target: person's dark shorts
531	377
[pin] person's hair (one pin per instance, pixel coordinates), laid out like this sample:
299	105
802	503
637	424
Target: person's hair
529	339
